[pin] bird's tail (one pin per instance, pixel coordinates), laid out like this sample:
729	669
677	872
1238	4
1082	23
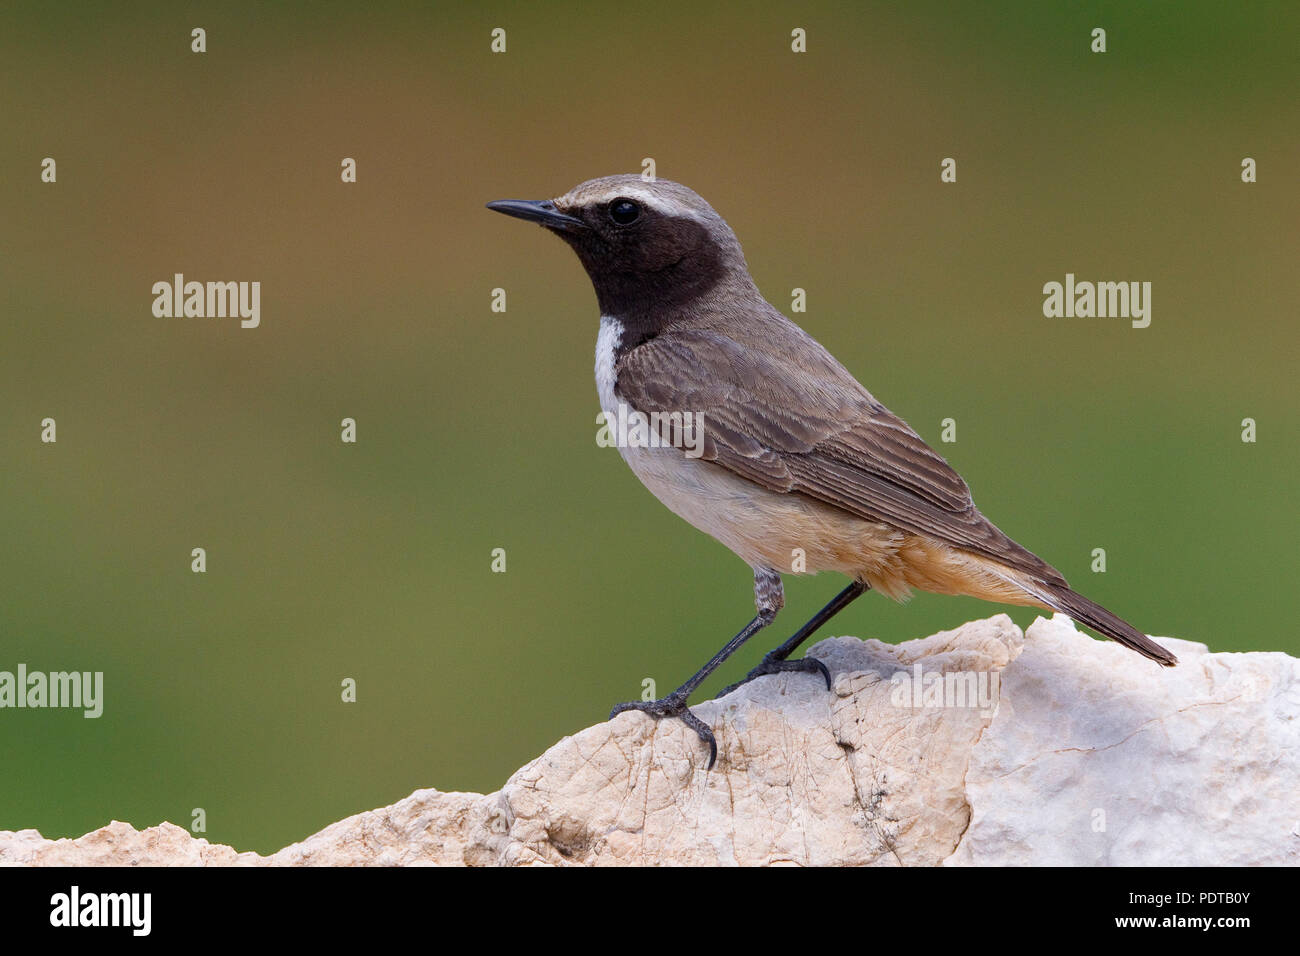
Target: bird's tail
949	570
1062	599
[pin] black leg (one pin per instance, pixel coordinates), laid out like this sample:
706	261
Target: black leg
769	597
775	662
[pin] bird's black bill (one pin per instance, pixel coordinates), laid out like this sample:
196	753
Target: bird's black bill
539	211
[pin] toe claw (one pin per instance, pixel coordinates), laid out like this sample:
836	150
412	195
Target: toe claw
771	665
673	706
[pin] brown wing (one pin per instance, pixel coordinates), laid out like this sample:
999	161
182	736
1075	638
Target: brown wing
797	422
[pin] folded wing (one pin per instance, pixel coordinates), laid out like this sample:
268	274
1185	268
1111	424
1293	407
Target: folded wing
800	423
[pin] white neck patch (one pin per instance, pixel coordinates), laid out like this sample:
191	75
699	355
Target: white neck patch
607	343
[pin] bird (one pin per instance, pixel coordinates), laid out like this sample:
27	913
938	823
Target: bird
795	456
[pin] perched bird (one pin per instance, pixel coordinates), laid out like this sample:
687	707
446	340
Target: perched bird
796	457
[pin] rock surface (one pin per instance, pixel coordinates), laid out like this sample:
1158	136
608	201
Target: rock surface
975	746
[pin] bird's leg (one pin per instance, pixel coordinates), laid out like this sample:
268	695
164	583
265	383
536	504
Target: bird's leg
769	597
775	661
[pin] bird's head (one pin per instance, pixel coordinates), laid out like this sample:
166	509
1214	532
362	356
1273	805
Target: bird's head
645	244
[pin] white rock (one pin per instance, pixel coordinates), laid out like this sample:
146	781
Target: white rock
1098	757
1075	751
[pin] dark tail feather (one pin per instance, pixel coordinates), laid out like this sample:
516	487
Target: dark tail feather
1099	619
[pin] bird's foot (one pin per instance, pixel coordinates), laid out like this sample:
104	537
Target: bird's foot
775	665
674	705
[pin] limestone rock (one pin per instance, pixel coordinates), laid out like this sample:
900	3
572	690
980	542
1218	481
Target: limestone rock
118	844
1096	759
974	746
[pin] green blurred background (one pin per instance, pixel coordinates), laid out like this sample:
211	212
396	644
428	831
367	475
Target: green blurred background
476	430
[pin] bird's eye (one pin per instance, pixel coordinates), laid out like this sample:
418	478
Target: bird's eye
624	211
